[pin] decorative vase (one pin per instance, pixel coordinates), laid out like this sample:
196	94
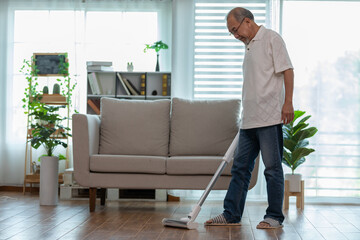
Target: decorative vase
130	67
49	180
157	69
294	182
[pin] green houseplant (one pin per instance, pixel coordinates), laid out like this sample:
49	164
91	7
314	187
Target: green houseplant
157	46
45	124
295	136
47	128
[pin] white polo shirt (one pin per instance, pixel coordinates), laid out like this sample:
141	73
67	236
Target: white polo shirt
263	92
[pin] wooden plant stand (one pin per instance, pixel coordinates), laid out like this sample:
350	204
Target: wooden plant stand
299	196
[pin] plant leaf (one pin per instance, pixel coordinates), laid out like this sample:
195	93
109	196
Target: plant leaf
299	127
297	114
305	133
287	158
300	153
298	163
303	143
305	119
290	144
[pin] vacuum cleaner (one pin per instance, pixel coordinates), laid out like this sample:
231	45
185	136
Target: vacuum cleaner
189	221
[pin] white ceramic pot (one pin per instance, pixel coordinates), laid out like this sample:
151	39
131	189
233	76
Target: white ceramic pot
294	182
49	180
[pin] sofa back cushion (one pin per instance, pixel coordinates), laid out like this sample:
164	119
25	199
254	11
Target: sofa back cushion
203	127
134	127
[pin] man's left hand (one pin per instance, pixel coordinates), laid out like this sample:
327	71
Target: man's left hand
287	113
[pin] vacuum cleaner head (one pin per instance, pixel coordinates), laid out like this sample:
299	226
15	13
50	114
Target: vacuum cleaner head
180	223
188	222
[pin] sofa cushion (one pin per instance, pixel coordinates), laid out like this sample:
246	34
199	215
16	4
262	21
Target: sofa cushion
195	165
134	127
127	164
203	127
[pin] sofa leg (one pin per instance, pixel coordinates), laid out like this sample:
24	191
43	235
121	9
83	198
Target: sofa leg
92	199
103	196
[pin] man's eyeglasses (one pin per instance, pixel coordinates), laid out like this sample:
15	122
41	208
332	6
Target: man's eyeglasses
233	32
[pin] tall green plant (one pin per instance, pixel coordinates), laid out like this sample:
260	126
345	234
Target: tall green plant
295	140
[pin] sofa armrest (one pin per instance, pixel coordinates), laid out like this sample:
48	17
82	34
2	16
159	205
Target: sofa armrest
86	133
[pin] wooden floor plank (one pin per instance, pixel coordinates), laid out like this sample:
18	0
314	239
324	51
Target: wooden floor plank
21	217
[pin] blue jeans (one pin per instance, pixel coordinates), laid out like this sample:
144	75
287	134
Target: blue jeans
268	140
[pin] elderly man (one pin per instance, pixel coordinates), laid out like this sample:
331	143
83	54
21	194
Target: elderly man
267	69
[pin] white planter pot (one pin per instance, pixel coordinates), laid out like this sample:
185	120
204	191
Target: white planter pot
294	182
49	180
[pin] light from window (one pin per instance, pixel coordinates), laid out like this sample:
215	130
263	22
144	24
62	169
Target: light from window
326	56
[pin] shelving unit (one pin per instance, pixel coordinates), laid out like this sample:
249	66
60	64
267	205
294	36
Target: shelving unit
51	68
149	85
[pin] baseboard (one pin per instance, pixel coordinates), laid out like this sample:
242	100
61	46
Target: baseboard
170	198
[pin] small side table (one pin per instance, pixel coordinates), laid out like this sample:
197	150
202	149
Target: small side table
299	196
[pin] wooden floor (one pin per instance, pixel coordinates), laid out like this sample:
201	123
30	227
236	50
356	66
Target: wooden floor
21	217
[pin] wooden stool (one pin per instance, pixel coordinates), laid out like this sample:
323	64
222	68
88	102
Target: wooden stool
299	196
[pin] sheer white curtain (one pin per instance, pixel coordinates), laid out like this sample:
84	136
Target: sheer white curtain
87	30
183	44
3	77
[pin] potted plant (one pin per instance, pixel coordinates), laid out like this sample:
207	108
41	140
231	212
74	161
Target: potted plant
157	46
48	131
295	150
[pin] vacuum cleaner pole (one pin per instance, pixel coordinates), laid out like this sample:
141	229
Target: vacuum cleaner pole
226	159
212	183
189	221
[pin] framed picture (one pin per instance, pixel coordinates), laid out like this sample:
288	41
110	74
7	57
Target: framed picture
49	64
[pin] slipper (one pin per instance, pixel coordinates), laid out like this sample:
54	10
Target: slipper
220	221
271	224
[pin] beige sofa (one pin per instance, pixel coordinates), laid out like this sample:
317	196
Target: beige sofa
159	144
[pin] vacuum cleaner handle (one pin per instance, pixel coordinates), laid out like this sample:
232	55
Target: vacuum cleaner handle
230	152
226	159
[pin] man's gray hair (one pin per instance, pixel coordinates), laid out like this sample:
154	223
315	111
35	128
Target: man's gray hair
240	13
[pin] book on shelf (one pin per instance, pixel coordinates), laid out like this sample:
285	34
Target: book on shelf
100	68
123	83
166	82
98	63
95	106
94	83
142	84
91	84
131	87
97	83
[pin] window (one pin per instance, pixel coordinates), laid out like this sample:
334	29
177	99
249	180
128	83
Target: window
326	56
69	26
123	38
218	57
116	36
325	53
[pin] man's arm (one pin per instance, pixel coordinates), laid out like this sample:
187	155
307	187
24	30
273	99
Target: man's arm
287	112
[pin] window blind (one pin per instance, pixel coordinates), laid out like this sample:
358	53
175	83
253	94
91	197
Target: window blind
218	57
